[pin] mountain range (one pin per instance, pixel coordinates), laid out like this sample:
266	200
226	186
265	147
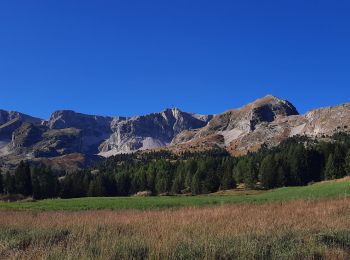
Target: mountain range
72	140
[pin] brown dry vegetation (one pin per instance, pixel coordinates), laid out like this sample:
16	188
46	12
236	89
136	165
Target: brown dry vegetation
299	229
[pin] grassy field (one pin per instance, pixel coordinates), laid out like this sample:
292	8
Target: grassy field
303	229
334	189
309	222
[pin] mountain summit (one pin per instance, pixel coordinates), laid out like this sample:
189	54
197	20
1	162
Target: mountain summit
264	122
72	136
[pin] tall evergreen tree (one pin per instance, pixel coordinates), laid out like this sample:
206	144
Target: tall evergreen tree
196	184
97	187
239	170
227	181
122	180
151	177
268	172
177	185
1	182
330	170
299	171
347	163
161	182
211	182
250	176
339	159
9	183
23	182
44	183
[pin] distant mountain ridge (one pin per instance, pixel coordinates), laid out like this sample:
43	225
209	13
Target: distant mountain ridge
72	138
68	132
264	122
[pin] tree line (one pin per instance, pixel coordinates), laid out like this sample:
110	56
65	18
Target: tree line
296	161
39	181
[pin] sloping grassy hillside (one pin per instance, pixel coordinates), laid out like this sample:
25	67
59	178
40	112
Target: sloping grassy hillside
334	189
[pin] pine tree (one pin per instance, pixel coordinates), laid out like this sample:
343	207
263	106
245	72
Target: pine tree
250	176
23	182
1	182
227	181
44	183
299	170
347	163
190	168
195	184
123	183
268	172
161	182
330	170
97	187
9	186
177	185
281	177
239	171
339	158
151	176
37	194
211	182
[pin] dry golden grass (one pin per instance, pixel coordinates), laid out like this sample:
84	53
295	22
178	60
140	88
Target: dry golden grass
299	229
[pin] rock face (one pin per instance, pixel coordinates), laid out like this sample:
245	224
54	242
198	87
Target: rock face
150	131
67	132
6	116
326	121
70	136
11	120
94	129
266	121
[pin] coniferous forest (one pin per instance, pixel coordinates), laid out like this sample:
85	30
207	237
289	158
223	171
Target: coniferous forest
295	162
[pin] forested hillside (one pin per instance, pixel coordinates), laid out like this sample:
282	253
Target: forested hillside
296	161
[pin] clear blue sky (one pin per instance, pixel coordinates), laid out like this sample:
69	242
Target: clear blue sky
134	57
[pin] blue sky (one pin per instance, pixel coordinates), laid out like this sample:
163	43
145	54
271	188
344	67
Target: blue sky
134	56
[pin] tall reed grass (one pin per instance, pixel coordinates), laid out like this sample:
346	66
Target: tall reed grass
300	229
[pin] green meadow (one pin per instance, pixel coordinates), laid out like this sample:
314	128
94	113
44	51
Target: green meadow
337	189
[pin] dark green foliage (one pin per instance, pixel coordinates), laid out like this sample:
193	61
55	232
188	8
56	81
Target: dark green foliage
240	170
195	184
75	184
44	183
245	171
97	186
226	169
122	181
268	172
296	161
298	165
1	182
251	177
347	163
178	185
330	170
23	183
9	183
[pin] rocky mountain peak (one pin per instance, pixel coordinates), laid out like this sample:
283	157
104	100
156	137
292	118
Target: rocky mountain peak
276	106
268	108
150	131
6	116
246	118
172	110
264	122
69	118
